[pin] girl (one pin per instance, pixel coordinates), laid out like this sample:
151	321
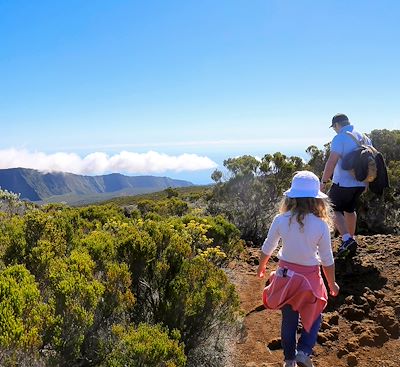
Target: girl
296	287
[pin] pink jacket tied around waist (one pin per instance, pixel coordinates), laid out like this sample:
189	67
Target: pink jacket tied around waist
301	287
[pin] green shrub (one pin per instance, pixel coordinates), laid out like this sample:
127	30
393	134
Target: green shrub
146	346
168	207
76	296
101	247
202	299
219	232
12	239
23	315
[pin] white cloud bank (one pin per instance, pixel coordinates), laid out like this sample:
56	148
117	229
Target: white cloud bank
99	163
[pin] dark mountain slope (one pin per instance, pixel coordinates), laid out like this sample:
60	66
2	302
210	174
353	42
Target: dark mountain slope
36	186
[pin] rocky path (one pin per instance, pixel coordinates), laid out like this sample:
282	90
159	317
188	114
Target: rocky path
361	327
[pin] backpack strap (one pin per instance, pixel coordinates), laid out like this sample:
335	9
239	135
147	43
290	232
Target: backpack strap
359	143
363	143
366	140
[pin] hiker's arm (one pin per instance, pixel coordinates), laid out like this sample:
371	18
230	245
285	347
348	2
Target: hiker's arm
268	247
329	167
262	264
329	272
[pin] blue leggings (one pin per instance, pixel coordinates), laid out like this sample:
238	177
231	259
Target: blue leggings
290	321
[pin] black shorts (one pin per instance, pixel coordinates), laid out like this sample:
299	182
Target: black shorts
344	199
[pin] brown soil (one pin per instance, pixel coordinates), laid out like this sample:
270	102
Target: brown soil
361	327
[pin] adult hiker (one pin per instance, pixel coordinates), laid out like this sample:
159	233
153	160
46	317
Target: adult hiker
296	287
345	190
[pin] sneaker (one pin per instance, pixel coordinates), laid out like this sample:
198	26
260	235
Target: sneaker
347	249
290	364
303	360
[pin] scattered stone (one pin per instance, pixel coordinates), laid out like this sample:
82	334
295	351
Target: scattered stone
323	338
366	339
387	318
349	300
381	335
379	294
364	304
334	333
342	352
353	313
275	344
325	326
373	337
327	336
332	318
356	327
389	302
371	299
352	345
352	360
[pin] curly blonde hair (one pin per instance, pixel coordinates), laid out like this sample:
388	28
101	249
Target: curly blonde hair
300	207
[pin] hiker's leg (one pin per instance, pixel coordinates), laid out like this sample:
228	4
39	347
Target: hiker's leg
351	222
290	321
340	223
338	196
308	340
350	214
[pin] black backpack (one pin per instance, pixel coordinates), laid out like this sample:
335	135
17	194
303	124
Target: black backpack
367	165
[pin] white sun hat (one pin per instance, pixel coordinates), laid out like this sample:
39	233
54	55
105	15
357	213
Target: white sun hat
305	184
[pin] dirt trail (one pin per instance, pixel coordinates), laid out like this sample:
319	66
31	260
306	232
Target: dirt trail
361	327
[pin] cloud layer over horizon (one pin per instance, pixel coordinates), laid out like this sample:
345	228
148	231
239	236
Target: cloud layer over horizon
100	163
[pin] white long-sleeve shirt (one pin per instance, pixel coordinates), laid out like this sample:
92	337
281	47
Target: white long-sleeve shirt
310	245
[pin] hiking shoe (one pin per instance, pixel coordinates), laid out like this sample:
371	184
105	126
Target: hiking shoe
303	360
347	249
290	364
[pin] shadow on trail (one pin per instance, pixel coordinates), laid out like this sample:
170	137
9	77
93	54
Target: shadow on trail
355	279
256	309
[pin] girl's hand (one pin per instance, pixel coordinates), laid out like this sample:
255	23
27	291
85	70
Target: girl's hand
262	265
334	289
260	271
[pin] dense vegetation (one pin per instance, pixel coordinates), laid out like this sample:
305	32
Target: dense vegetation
97	286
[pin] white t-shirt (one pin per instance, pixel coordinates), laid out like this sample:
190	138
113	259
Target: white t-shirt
310	245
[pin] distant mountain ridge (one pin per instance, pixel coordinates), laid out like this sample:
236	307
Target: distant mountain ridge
38	186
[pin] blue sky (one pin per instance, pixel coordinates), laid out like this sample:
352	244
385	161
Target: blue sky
175	87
